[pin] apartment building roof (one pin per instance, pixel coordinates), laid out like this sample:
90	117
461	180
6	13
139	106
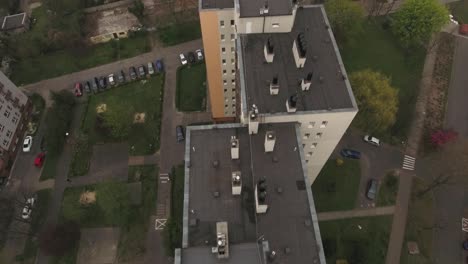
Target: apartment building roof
329	88
9	90
251	8
216	4
290	225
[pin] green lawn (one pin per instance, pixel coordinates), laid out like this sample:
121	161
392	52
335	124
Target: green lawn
179	33
377	49
82	152
173	231
144	97
191	88
388	190
358	240
420	219
336	187
460	10
49	169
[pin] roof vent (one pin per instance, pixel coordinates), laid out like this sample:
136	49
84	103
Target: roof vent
215	163
270	140
234	148
291	103
264	9
236	183
269	51
274	86
300	50
260	197
222	240
253	120
305	83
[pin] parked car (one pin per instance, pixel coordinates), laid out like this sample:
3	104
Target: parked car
27	210
87	87
160	66
199	54
27	143
141	71
39	160
95	85
351	154
121	77
465	244
372	140
132	73
183	60
191	57
102	83
111	79
180	133
78	89
150	68
371	191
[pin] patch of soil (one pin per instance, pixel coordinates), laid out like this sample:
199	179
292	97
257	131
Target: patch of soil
101	108
139	118
87	198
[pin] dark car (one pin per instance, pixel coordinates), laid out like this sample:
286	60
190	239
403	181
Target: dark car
371	190
78	89
465	244
159	66
141	71
121	77
191	57
180	133
87	87
102	83
351	154
132	73
95	85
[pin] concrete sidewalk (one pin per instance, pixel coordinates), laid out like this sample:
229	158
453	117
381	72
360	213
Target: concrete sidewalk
376	211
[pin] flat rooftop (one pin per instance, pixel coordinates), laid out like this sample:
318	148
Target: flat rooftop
216	4
287	226
329	87
251	8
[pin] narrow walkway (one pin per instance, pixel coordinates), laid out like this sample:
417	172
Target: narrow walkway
406	176
144	160
376	211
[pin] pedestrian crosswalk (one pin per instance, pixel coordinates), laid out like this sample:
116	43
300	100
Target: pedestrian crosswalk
409	162
164	177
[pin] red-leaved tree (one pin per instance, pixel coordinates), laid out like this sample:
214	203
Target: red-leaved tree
442	137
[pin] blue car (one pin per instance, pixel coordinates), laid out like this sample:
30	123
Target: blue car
351	154
160	66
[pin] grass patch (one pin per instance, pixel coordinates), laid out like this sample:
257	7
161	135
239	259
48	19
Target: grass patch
388	190
336	186
38	103
173	230
460	10
343	239
49	169
378	49
68	258
191	88
82	152
179	33
420	217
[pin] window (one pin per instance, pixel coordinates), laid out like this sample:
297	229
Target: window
222	37
7	113
9	107
233	89
5	142
232	49
221	23
225	82
224	72
233	98
309	154
8	134
226	106
224	61
225	90
311	125
306	135
1	128
307	161
232	22
14	120
275	25
233	61
233	105
233	36
233	71
324	124
314	145
303	145
223	49
318	135
233	81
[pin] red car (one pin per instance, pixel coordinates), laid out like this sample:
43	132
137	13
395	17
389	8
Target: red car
39	160
78	90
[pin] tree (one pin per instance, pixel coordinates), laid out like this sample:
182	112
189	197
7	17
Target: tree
442	137
346	17
377	101
58	120
416	21
113	198
118	118
137	9
56	240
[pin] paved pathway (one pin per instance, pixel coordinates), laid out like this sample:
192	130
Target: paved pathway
405	182
376	211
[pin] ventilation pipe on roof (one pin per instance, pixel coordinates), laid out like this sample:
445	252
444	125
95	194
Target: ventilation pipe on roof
234	148
300	50
305	83
274	86
270	140
236	183
269	51
291	103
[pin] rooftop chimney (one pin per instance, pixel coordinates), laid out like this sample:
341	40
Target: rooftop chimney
236	183
269	51
305	83
234	148
270	140
300	50
291	103
253	120
274	86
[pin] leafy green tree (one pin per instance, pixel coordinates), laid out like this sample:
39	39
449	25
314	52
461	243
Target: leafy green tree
416	21
346	17
118	118
138	9
113	198
377	101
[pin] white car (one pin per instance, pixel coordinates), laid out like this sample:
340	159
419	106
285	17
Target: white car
150	68
372	140
27	210
27	143
111	79
199	54
183	60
